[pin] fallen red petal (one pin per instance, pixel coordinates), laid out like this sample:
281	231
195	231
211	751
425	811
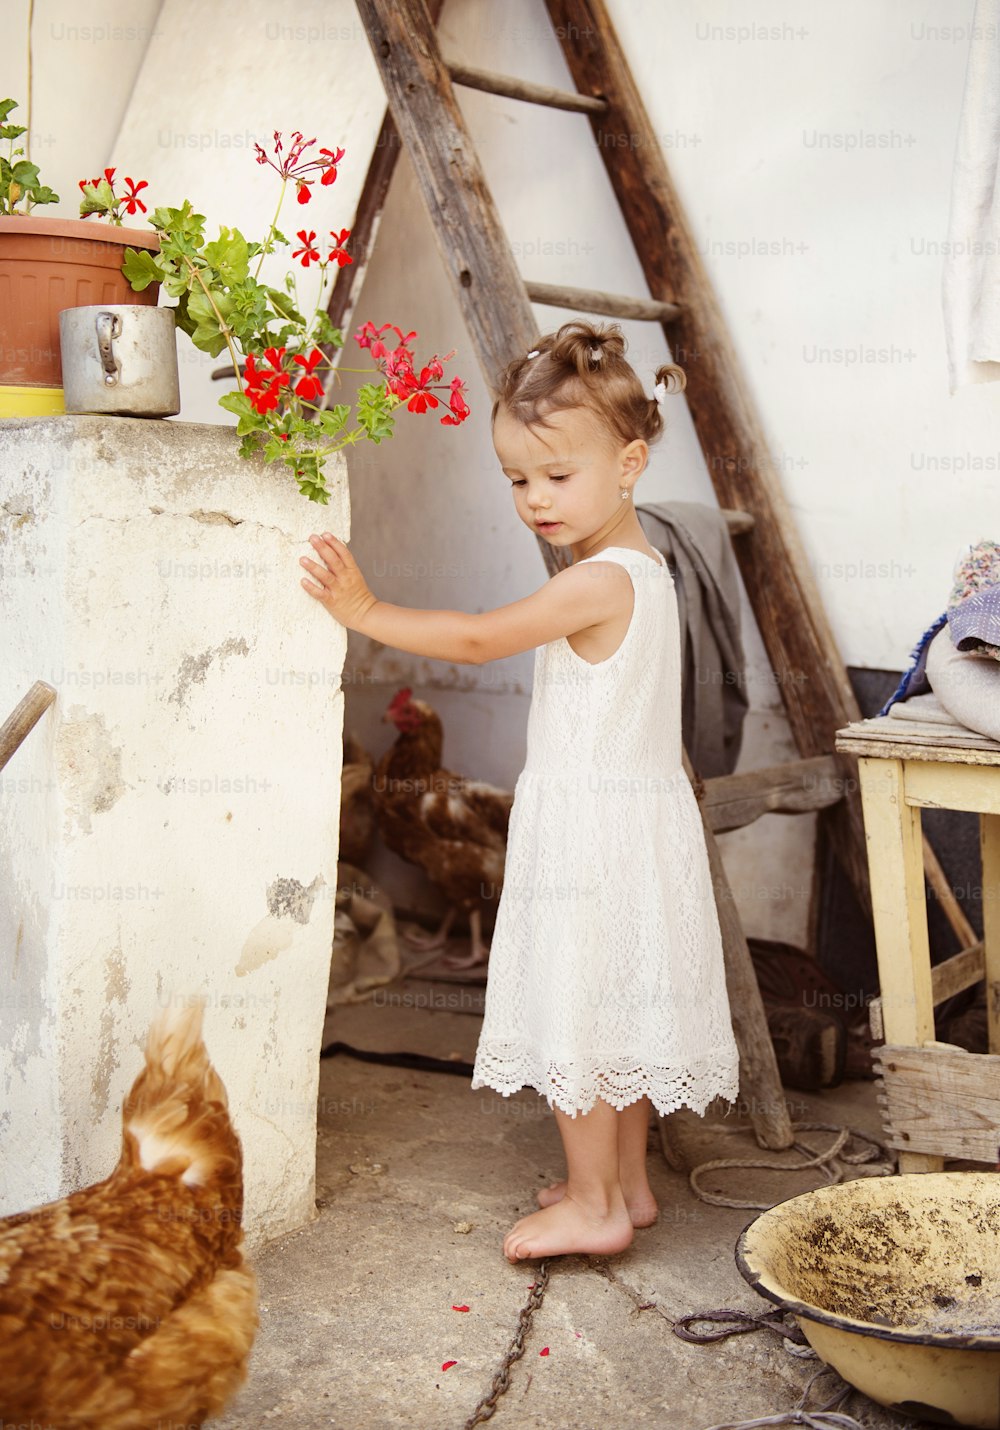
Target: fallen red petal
544	1352
448	1364
459	1308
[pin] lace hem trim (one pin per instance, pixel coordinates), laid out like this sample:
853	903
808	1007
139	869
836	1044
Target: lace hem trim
575	1090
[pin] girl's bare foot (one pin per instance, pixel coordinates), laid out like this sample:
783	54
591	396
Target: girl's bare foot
566	1227
642	1207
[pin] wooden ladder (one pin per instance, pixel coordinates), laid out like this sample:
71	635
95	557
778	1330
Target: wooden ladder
425	119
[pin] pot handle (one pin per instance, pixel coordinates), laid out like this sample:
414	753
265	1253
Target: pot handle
109	326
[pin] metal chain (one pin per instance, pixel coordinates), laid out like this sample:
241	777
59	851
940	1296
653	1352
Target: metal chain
501	1381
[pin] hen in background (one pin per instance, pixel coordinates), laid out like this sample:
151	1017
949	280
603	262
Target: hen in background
454	828
129	1304
357	804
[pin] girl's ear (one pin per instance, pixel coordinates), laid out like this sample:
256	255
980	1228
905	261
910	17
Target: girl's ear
634	458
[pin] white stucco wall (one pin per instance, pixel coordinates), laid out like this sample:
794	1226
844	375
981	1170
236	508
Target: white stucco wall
169	829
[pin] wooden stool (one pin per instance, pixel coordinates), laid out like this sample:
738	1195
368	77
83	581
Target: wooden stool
938	1101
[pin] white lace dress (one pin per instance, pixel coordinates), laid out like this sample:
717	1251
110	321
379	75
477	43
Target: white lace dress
606	974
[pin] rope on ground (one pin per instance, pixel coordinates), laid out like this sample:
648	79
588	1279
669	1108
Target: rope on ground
826	1417
734	1323
832	1163
501	1381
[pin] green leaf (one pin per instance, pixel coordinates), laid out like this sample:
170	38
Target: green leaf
228	255
323	330
6	105
25	174
285	308
205	332
275	450
250	419
140	268
12	131
331	421
375	412
42	194
185	228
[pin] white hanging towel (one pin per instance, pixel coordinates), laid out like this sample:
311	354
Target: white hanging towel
971	281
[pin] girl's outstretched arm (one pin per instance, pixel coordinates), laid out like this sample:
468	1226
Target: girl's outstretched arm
573	600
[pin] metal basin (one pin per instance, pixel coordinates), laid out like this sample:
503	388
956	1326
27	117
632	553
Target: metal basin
895	1282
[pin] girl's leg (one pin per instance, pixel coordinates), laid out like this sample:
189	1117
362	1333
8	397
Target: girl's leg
633	1128
592	1216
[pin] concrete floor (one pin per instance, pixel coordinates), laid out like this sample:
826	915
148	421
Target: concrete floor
418	1180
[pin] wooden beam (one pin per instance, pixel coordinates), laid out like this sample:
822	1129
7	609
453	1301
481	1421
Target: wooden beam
963	970
23	719
471	240
733	801
513	88
364	229
591	300
760	1082
814	686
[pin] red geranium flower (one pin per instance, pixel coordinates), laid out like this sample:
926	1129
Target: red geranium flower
459	407
332	160
309	386
309	253
337	251
263	388
422	398
130	198
291	165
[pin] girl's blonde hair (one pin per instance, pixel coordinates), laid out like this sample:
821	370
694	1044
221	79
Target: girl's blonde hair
583	365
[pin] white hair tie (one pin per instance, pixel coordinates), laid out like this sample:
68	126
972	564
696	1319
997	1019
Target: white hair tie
533	353
660	392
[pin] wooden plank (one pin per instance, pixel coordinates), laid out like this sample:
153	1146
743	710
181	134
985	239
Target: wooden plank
23	719
471	241
945	784
940	1101
760	1082
796	633
866	738
513	88
945	896
364	229
917	740
989	848
733	801
473	246
591	300
963	970
898	908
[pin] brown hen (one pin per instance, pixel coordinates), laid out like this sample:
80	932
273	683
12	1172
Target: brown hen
129	1304
454	828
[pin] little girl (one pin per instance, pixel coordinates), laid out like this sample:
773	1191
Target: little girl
606	985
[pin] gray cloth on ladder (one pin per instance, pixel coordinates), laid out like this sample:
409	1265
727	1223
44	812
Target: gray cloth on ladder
695	540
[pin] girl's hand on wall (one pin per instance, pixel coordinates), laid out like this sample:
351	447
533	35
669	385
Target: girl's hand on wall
339	585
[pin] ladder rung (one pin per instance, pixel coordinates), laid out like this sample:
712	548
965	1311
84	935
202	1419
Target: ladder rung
738	521
613	305
797	787
513	88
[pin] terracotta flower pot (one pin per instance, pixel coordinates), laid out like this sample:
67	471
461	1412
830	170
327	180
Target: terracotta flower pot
47	264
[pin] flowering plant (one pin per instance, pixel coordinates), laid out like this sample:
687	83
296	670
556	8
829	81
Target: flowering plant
99	197
279	346
19	182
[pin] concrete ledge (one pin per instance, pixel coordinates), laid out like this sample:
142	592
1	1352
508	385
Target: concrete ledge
169	828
